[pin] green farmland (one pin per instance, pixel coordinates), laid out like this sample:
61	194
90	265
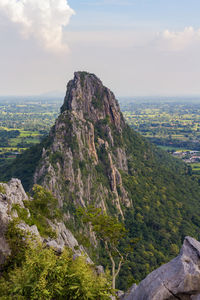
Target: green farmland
173	126
23	123
170	125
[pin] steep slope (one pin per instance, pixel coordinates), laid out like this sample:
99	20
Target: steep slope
39	256
82	164
92	157
16	210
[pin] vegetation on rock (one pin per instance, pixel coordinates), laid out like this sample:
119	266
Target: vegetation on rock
2	189
42	274
17	240
43	207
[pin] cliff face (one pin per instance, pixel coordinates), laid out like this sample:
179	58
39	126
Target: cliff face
89	99
83	163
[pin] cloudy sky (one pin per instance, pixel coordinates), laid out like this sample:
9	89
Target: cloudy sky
137	47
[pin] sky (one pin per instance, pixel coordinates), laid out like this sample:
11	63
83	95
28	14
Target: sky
136	47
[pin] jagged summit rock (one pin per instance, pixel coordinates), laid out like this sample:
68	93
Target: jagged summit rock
81	152
90	99
178	279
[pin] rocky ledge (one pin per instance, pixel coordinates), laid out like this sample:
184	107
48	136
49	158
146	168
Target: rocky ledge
178	279
12	194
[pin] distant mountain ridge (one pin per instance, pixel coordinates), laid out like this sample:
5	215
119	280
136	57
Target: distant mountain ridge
92	156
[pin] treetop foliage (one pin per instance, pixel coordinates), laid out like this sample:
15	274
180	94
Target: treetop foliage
44	275
107	228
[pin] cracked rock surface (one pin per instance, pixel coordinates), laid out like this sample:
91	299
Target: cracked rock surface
87	134
178	279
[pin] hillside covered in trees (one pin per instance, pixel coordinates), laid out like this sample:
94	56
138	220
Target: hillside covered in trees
92	156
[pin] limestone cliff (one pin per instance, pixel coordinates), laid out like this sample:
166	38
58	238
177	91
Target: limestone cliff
83	163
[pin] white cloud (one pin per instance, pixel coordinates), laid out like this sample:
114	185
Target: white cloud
41	19
110	2
178	40
135	62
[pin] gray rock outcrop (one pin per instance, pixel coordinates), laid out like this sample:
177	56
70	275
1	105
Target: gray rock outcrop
178	279
12	193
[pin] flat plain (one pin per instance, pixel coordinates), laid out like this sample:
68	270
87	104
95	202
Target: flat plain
171	125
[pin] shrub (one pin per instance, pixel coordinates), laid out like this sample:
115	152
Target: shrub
43	206
2	189
45	275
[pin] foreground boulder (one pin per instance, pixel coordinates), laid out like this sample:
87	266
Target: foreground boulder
178	279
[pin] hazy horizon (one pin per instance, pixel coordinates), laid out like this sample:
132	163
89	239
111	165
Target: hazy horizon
140	48
121	99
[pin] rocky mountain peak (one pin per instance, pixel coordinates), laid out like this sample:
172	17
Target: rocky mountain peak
90	99
86	148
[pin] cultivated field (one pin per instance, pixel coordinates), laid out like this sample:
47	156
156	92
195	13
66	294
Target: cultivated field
173	126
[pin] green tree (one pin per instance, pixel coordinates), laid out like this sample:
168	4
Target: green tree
108	230
44	275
